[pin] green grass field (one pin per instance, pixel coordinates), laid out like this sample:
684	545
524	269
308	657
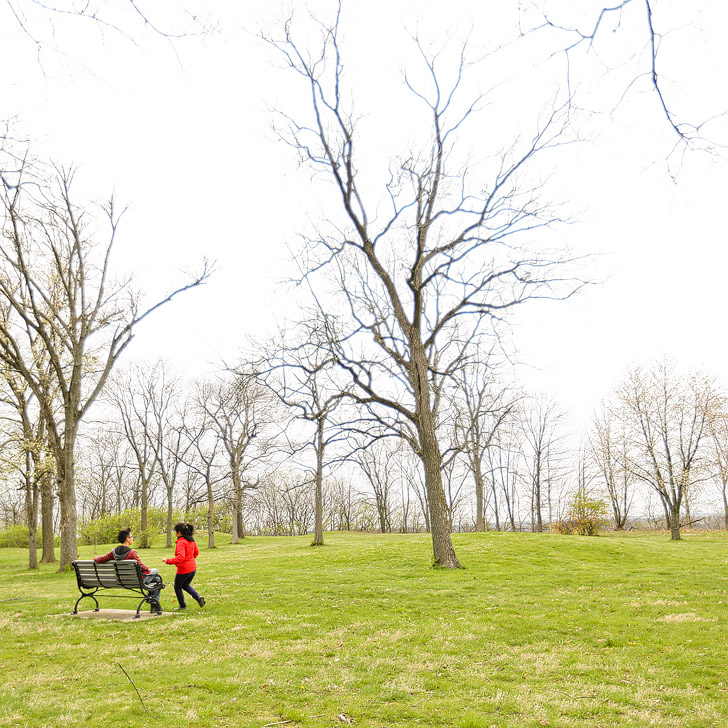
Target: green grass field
538	629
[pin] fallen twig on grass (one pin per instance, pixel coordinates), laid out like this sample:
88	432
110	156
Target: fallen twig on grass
17	599
580	697
134	686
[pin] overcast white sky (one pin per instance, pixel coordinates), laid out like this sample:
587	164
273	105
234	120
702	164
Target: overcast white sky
187	143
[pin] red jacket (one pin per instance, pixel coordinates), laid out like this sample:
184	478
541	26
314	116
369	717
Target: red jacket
185	553
121	553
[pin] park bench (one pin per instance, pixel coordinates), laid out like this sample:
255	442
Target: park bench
127	575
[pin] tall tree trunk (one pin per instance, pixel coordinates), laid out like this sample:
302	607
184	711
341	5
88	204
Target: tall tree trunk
675	522
382	513
31	511
318	536
442	548
477	473
210	515
46	519
443	551
169	515
236	504
538	525
496	511
144	541
67	493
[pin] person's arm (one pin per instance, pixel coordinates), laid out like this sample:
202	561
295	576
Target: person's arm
179	554
134	555
105	557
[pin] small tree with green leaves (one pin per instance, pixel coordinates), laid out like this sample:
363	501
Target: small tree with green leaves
587	516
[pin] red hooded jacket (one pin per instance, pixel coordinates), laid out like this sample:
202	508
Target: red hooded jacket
185	553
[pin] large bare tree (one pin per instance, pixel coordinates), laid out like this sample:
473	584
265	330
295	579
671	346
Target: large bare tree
418	267
56	279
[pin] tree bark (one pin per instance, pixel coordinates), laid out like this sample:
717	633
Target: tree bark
479	491
237	515
67	496
318	536
169	516
442	548
145	514
210	516
675	522
46	510
31	512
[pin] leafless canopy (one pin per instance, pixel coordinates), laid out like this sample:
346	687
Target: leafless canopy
421	266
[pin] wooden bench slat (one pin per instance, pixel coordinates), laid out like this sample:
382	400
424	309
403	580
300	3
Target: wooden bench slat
110	574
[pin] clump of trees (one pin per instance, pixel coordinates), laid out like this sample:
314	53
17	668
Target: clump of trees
65	319
134	468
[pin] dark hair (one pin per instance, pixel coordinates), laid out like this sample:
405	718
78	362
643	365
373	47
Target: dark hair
123	535
185	530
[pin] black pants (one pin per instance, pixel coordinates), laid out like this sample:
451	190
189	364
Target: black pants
182	584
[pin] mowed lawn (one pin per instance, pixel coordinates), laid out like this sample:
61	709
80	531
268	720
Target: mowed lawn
538	629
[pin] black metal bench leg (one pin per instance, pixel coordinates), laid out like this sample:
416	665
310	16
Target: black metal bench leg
137	616
91	596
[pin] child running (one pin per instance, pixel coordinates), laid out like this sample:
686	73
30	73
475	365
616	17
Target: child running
185	553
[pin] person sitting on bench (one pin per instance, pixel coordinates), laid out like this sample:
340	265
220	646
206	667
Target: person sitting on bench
152	580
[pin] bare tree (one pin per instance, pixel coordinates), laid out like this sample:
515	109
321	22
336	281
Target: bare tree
107	461
132	394
56	280
609	447
375	462
502	462
482	405
344	500
167	431
667	419
541	421
205	456
416	287
240	410
303	374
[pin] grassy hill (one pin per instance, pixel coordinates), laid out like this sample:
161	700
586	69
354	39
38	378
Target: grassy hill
538	629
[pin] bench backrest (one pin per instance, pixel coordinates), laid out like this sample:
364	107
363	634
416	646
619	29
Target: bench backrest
125	574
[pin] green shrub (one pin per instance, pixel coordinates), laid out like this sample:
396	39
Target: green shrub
17	537
586	517
105	528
